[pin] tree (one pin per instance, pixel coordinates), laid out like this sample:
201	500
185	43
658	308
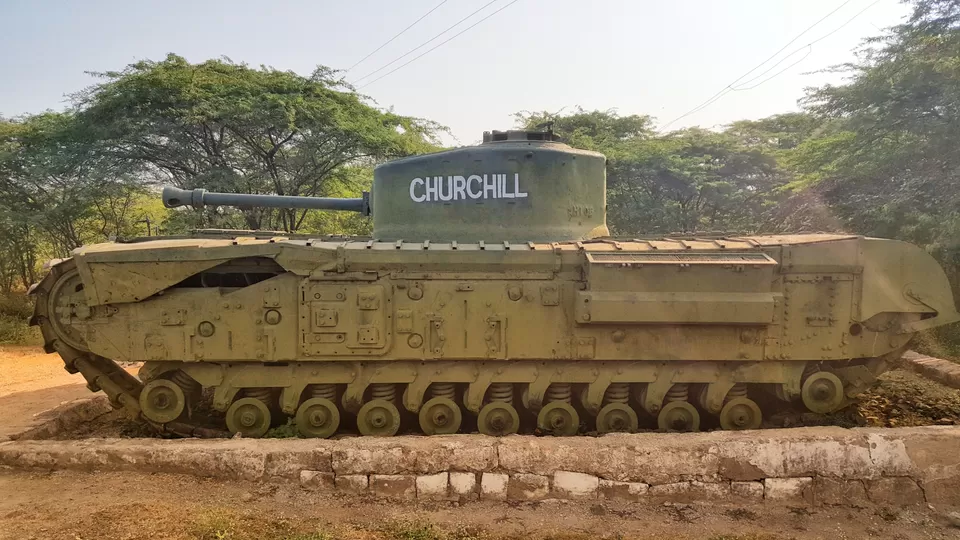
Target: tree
228	127
686	181
888	164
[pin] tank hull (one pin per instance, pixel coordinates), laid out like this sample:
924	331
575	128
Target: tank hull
582	335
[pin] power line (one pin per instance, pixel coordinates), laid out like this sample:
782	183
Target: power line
807	46
712	99
440	44
418	47
802	58
389	41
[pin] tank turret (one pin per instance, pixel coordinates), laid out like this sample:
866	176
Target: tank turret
517	186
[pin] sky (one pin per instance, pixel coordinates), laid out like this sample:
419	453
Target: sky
660	58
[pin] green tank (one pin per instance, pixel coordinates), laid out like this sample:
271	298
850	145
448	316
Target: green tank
489	297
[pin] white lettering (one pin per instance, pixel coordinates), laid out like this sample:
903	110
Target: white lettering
432	188
463	187
490	187
413	186
506	191
474	194
449	193
516	186
459	188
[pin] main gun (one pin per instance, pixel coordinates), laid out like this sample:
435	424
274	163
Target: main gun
199	198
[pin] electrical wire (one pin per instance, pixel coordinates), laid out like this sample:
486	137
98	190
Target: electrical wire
425	43
722	92
807	46
802	58
439	44
389	41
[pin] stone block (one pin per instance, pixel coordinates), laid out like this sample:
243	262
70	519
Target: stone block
937	462
286	462
351	483
397	486
789	488
463	485
897	491
747	490
317	480
493	486
415	455
709	490
528	487
371	457
657	459
834	491
469	453
241	459
433	486
942	491
693	490
625	491
574	485
670	490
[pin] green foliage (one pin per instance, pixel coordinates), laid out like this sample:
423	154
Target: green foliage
15	310
889	164
285	431
90	174
228	127
423	530
216	525
319	535
686	181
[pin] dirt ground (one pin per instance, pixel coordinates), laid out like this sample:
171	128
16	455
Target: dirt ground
32	382
131	506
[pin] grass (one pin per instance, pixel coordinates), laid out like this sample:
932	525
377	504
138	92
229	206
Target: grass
15	310
224	525
219	524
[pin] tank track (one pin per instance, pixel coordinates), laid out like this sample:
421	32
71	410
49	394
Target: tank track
102	374
550	397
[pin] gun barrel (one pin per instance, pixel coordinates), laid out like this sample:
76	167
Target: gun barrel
198	198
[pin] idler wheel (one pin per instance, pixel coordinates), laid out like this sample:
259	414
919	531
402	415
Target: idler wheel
162	401
440	416
498	419
822	392
317	417
558	418
740	413
679	416
66	302
378	418
249	417
617	417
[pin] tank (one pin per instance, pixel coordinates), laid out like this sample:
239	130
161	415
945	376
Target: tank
490	297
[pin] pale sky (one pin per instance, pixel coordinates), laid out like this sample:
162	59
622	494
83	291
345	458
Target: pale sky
646	57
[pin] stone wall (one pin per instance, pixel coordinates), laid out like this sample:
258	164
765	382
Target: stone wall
823	465
943	371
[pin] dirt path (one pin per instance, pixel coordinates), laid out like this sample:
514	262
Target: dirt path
32	382
133	506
